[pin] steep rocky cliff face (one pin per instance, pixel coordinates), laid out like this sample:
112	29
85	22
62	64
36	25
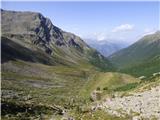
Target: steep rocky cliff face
35	28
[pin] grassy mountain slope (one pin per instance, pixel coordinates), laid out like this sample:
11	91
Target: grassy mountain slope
141	58
144	69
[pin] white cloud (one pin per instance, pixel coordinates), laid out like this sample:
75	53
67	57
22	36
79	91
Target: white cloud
123	27
118	34
105	36
100	36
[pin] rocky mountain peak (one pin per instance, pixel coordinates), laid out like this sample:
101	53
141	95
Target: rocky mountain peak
35	28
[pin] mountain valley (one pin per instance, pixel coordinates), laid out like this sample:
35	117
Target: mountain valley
51	74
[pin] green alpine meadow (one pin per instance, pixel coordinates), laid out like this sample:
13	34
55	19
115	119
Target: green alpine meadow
49	73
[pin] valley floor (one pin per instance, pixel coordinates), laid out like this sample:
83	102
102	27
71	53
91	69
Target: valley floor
34	91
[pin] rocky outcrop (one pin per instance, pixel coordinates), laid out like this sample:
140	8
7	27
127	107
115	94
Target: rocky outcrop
142	105
96	95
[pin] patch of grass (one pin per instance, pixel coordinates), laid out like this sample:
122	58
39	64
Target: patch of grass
126	87
97	115
103	81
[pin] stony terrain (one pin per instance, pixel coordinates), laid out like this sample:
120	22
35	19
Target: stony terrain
141	105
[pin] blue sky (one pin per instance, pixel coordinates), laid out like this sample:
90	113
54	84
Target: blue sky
125	21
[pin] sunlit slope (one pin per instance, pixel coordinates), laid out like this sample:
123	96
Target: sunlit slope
108	82
141	58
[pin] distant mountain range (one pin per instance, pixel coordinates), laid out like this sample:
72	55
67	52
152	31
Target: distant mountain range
141	58
106	47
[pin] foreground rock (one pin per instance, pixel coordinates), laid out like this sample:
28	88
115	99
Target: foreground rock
142	105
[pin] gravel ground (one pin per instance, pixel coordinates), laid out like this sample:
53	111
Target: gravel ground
142	105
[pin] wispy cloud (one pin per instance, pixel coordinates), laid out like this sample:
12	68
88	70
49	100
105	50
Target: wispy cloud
118	35
100	36
123	27
105	36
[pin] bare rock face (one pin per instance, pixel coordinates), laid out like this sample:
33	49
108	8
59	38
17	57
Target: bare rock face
29	23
